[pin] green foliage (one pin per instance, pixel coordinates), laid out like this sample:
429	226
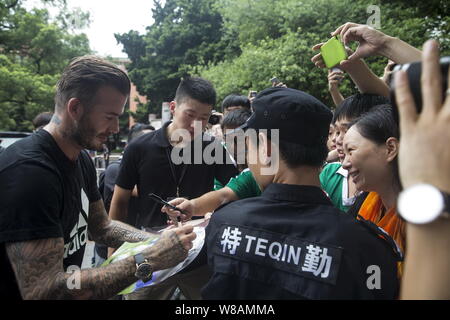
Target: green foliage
276	39
23	94
34	51
185	33
240	44
255	67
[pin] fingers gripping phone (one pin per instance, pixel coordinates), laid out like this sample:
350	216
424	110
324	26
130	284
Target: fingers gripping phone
333	52
158	199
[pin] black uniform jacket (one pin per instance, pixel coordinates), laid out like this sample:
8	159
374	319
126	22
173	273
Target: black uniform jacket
291	243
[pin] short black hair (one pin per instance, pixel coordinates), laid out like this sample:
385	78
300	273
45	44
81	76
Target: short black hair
84	76
356	105
196	88
234	100
42	119
136	130
296	155
236	118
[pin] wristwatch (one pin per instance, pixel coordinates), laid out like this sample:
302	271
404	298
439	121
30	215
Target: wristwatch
423	203
144	270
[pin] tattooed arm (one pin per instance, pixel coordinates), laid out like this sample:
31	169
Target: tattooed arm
109	232
38	267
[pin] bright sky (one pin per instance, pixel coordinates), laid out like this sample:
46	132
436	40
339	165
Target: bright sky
109	17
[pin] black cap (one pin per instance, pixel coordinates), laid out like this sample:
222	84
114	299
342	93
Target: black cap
300	118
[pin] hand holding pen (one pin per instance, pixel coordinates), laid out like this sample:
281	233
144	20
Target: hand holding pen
184	209
170	209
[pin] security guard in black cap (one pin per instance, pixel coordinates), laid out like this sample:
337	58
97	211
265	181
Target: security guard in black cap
291	243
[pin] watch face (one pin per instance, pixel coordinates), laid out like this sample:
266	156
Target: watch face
420	204
144	271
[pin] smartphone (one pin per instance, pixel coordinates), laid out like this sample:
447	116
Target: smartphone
336	69
333	52
414	72
214	119
161	201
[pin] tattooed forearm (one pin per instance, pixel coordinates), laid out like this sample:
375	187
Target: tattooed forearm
110	232
38	268
117	233
39	272
167	252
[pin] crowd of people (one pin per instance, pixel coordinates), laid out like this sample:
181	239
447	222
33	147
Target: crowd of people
301	202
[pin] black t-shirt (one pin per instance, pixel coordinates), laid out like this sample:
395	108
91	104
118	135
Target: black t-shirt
109	181
44	195
147	164
291	243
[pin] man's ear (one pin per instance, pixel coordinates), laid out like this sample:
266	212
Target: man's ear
75	108
172	106
392	146
265	149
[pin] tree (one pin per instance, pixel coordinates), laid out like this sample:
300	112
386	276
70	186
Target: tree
240	44
186	34
34	51
278	41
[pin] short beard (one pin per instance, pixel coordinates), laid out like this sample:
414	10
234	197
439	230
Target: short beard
83	134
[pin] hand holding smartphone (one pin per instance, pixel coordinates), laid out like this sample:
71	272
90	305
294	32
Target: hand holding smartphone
333	52
161	201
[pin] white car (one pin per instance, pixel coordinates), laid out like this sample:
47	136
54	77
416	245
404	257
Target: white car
7	138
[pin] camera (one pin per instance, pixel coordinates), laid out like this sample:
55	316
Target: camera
414	72
253	94
214	119
275	80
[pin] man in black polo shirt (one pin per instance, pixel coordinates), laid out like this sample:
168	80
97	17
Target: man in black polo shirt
173	161
291	243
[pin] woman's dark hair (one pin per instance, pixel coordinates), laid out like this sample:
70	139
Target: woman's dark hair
378	124
234	100
356	105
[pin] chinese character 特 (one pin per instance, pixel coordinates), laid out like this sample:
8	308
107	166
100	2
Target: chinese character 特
317	261
231	239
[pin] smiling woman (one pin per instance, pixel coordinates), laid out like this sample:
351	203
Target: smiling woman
371	147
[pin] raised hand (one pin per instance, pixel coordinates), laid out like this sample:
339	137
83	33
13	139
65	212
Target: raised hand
424	156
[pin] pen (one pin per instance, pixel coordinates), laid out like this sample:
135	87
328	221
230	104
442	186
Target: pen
163	202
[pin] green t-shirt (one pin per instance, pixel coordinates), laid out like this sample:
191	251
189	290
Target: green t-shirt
217	184
244	185
331	182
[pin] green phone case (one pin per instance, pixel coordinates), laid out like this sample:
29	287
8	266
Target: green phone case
333	52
